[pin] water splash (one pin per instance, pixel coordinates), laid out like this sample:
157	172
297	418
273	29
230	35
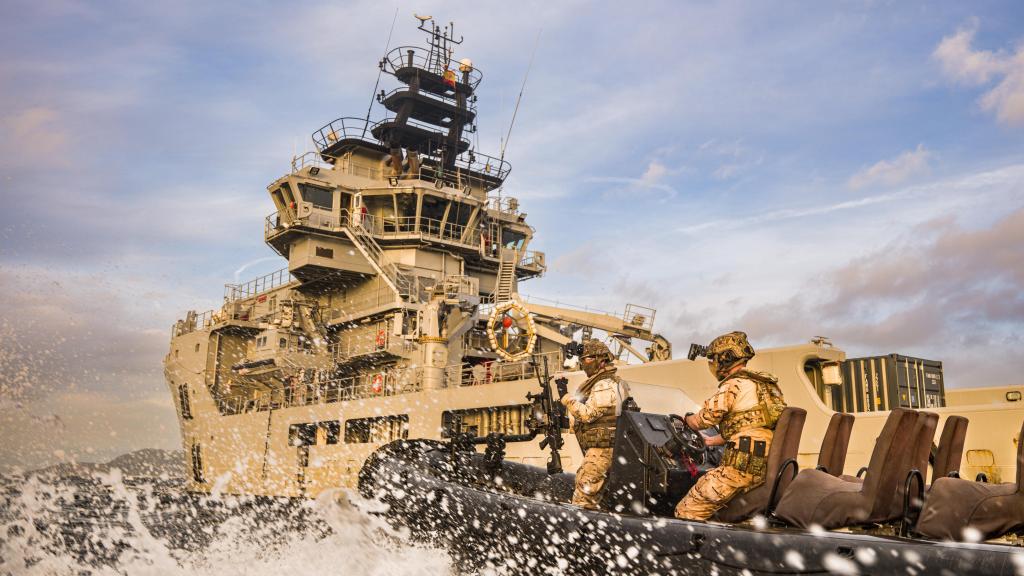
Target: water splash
106	524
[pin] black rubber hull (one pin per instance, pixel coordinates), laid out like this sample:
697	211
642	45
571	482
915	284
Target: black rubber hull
485	523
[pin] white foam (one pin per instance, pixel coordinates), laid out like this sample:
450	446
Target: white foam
342	538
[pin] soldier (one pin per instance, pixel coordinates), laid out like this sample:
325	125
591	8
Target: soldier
595	406
746	408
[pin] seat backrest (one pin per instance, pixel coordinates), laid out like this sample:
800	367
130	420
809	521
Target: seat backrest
889	462
785	443
835	444
951	447
924	435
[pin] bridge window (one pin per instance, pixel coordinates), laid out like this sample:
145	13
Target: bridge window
512	239
322	198
433	213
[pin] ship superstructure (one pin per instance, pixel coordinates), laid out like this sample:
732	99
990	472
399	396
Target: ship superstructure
403	267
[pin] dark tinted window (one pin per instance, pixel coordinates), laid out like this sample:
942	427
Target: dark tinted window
376	429
317	196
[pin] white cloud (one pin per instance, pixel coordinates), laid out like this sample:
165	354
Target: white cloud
963	64
651	180
733	158
892	172
791	213
654	173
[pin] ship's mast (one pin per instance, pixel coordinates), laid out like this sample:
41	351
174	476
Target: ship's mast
435	108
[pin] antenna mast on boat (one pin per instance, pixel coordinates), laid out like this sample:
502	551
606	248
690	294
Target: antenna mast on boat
373	94
515	110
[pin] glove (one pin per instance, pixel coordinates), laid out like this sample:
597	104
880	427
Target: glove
562	385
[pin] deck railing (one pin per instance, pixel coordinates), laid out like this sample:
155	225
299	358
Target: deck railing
388	382
425	59
257	286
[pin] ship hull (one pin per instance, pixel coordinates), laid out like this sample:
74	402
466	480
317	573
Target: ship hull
487	523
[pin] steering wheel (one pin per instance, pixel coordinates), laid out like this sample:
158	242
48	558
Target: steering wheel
691	441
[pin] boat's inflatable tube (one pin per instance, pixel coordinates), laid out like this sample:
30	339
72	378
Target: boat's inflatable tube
514	517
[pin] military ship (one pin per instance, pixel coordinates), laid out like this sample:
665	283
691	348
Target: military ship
399	318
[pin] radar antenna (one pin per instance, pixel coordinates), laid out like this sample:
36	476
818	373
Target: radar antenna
519	98
373	95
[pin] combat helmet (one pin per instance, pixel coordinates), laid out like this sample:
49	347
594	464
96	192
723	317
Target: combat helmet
727	351
595	348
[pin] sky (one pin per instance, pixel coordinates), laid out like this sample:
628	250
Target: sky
790	169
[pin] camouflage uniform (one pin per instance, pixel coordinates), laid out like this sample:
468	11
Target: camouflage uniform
594	407
746	408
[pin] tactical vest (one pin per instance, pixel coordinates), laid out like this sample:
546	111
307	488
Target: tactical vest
770	405
601	432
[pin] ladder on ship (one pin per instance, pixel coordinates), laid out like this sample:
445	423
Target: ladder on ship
506	285
371	250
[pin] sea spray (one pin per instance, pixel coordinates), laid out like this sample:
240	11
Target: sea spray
107	524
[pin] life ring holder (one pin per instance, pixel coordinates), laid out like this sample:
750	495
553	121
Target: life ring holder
502	311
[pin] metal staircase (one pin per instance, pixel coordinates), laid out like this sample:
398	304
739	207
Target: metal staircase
372	251
509	257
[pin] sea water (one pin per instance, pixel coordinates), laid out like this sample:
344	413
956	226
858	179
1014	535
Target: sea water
104	523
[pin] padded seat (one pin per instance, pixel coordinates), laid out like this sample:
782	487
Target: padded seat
835	444
785	445
955	504
817	497
923	435
951	447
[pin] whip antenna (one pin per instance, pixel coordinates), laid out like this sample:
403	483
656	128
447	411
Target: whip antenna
381	71
519	98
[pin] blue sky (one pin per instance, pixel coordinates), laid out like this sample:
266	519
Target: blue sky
852	169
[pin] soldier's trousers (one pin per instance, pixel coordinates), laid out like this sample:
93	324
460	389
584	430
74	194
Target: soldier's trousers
591	476
713	491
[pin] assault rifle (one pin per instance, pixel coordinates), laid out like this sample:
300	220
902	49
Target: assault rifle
547	415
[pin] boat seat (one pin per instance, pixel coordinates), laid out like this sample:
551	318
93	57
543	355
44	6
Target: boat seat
817	497
832	457
993	510
785	444
951	447
924	436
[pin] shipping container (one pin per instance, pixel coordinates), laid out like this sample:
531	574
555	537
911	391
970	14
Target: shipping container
887	382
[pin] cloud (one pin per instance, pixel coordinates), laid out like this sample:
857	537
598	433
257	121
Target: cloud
943	291
652	180
33	136
965	65
654	173
67	332
85	427
80	365
907	165
793	213
732	157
